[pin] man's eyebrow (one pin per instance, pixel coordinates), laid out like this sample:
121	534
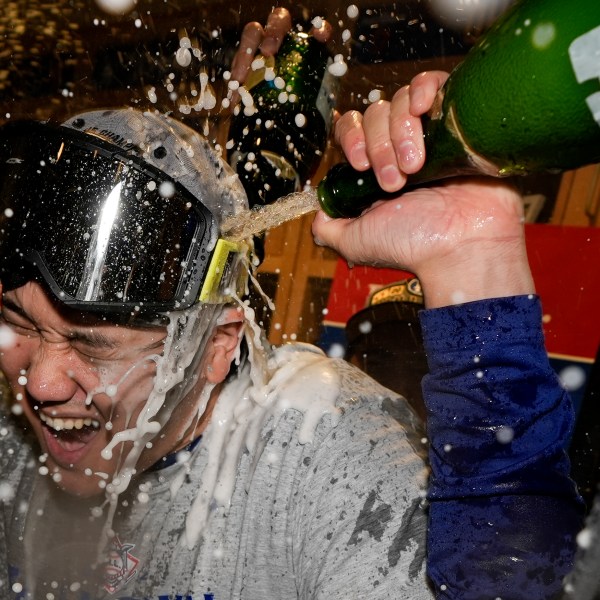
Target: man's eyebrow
89	336
97	339
94	338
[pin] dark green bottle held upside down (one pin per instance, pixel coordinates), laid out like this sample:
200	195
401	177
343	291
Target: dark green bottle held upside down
280	139
525	99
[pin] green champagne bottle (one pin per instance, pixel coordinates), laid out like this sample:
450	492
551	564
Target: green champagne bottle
279	140
525	99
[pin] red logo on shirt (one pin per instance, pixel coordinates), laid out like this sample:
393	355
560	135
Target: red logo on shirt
121	566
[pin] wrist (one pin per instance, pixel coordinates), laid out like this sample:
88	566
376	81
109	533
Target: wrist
477	273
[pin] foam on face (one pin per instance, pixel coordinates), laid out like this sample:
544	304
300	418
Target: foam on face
271	383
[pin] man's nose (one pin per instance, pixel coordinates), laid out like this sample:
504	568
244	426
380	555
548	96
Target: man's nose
51	376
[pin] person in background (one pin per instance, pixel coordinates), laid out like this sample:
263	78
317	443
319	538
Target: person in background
503	512
384	340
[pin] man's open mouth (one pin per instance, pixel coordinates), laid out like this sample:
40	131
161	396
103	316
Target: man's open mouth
71	433
59	424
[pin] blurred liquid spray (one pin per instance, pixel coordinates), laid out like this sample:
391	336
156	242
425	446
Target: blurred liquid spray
468	15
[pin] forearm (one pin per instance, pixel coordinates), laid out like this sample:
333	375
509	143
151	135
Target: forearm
502	504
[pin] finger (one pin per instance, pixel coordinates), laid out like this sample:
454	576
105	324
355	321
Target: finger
278	24
350	136
252	36
331	232
380	148
406	133
423	90
361	241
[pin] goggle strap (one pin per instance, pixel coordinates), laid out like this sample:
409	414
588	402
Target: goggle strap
219	269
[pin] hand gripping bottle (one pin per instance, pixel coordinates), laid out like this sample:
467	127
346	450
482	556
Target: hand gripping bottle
280	135
525	99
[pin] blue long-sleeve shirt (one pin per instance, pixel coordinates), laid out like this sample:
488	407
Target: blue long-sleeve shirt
503	511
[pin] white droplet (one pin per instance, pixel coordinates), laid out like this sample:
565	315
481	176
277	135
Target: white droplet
7	337
338	67
365	327
505	434
572	378
9	212
152	95
457	297
352	11
543	35
374	96
116	7
464	15
166	189
584	538
111	391
317	22
22	380
7	492
300	120
183	57
336	351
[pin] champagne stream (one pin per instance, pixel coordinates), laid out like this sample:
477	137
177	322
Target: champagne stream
252	222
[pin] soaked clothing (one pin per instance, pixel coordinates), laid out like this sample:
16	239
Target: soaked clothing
503	511
331	511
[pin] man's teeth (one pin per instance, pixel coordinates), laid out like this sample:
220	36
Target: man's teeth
62	424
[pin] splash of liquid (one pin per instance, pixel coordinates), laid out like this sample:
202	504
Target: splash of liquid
253	222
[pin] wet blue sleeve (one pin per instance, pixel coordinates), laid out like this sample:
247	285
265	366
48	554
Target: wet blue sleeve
503	511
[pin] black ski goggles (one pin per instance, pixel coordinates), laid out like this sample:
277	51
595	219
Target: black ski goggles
106	231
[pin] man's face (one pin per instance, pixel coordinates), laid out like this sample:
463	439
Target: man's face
79	381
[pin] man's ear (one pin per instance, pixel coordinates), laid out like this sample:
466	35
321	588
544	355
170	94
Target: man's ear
223	346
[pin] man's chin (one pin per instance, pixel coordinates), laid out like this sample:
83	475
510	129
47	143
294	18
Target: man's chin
75	482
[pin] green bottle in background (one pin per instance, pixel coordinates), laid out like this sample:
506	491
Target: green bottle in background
525	99
279	141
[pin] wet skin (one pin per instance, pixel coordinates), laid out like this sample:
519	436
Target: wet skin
73	374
